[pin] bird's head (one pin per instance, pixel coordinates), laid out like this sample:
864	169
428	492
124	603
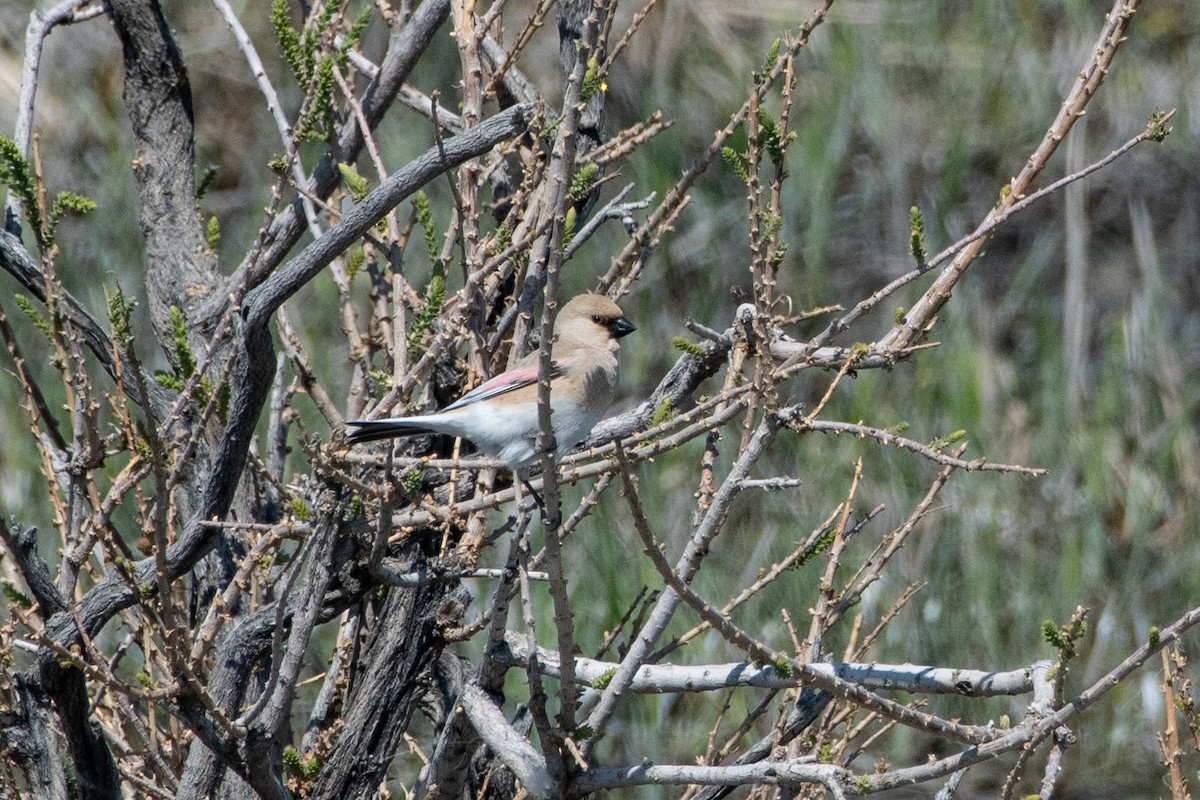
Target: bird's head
594	320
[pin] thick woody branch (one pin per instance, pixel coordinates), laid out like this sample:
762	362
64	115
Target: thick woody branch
512	748
795	772
255	364
1036	730
667	678
27	738
180	268
688	564
22	545
675	389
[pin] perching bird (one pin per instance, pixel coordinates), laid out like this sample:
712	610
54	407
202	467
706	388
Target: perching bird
501	415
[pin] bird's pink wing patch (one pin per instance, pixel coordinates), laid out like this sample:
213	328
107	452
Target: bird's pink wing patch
504	383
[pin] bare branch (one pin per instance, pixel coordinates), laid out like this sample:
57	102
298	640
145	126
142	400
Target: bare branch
514	750
668	678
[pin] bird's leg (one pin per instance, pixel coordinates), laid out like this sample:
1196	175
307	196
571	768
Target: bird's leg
521	482
537	498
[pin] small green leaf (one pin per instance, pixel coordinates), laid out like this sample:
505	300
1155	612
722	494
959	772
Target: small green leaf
425	219
916	226
663	413
355	183
120	312
942	442
768	63
206	180
1157	130
605	679
353	34
15	597
69	202
36	318
583	181
736	162
569	227
168	381
212	233
691	348
291	759
182	348
300	510
18	177
310	767
354	261
769	138
592	84
435	294
289	40
411	482
823	543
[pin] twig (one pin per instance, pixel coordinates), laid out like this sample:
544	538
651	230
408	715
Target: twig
1029	735
990	224
282	126
41	23
794	772
613	209
686	568
1168	740
950	787
1112	35
795	418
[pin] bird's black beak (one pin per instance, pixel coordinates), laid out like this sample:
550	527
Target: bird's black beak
620	327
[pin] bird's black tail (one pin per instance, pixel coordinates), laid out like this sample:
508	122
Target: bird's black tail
373	430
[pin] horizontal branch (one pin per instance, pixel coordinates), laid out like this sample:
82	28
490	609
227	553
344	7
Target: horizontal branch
781	773
664	678
795	419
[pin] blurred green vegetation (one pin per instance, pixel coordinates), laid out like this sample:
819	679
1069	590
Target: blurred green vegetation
898	103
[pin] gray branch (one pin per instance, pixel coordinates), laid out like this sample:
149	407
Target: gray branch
181	270
17	262
779	773
664	678
513	749
27	739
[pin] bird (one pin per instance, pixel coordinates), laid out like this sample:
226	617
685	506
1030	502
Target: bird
500	416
